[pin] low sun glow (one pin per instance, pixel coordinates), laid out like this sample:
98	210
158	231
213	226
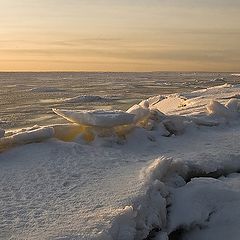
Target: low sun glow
108	35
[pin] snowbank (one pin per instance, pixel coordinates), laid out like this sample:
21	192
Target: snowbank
171	204
148	211
206	208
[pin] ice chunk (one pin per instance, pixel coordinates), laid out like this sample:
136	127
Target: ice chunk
92	124
171	103
98	118
162	131
156	170
233	104
36	135
162	169
154	120
155	99
218	109
215	107
204	122
67	132
156	115
140	113
174	124
144	104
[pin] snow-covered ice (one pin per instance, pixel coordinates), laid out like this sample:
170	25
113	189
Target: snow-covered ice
174	174
236	74
98	118
24	137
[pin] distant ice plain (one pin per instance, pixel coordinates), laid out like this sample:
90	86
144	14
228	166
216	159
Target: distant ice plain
27	98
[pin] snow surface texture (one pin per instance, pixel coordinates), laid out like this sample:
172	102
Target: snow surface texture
207	208
112	188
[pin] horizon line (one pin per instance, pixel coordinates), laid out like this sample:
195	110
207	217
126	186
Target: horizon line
90	71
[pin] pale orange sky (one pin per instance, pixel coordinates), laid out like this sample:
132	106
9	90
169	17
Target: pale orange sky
127	35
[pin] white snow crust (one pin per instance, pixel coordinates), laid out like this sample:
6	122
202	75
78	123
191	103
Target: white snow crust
207	208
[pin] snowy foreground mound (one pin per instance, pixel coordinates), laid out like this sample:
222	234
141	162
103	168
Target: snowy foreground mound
96	178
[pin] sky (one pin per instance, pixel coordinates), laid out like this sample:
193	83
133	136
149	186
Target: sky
123	35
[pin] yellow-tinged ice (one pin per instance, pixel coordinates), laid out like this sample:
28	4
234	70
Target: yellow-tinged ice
67	132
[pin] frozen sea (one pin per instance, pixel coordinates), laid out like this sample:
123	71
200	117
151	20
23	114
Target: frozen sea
172	175
27	98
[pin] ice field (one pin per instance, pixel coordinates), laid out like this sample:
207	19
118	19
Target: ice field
153	158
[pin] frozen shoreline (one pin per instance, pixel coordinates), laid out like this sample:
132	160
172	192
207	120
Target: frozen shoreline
75	190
